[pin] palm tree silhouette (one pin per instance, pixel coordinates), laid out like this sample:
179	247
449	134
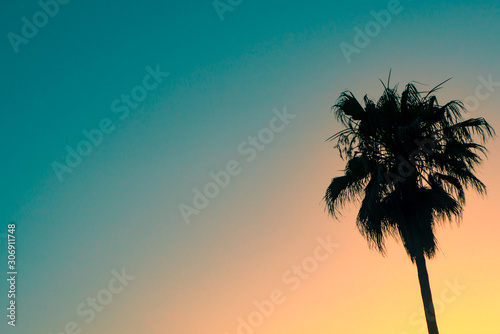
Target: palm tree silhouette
409	161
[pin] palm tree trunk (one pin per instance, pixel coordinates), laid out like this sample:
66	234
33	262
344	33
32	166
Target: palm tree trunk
425	290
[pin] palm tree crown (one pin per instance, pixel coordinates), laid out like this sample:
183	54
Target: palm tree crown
409	160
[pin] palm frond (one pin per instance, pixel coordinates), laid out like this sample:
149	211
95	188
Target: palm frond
406	187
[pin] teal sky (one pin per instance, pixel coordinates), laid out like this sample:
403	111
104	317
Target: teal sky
119	207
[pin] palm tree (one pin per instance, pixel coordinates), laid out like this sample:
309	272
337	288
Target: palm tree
409	162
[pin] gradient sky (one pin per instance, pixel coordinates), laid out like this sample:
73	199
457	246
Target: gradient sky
119	207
